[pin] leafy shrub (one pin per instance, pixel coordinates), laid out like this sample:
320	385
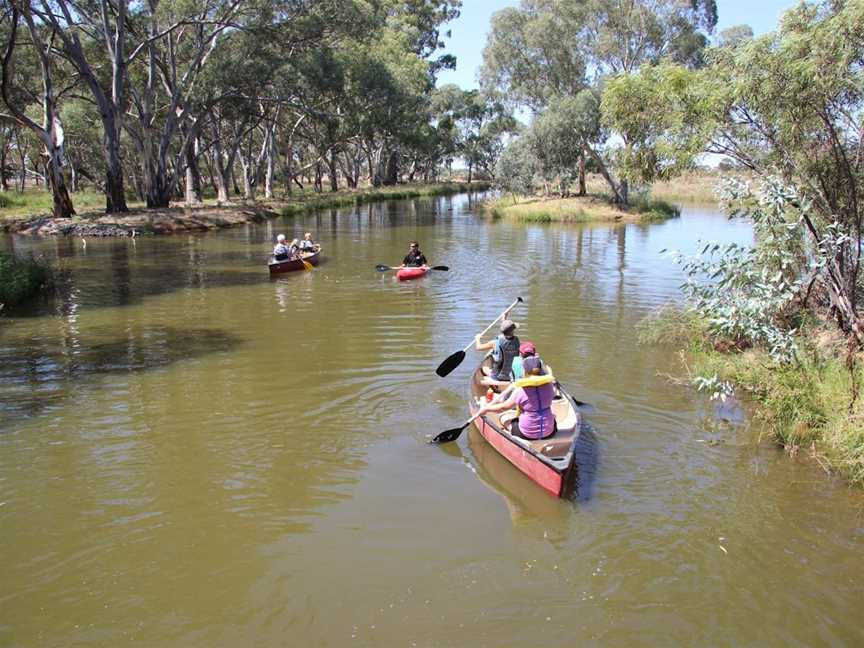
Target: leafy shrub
21	278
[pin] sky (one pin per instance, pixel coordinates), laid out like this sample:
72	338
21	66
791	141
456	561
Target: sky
470	29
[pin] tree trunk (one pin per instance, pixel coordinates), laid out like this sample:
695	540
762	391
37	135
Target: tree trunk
391	176
62	204
115	192
470	171
193	174
269	167
248	188
331	165
582	190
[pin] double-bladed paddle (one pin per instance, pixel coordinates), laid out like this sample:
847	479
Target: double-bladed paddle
456	359
384	268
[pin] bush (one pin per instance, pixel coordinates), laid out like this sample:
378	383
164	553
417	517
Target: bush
21	278
6	201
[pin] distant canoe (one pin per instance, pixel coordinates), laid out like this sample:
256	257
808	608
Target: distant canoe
548	462
403	274
290	265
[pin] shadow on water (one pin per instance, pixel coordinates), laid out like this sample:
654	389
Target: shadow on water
121	273
587	451
525	500
37	374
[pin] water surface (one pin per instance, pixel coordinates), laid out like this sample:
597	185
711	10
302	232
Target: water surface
193	454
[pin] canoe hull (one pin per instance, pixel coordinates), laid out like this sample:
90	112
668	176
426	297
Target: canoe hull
550	463
406	274
292	265
542	475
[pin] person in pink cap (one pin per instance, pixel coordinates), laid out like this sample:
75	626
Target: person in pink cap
526	350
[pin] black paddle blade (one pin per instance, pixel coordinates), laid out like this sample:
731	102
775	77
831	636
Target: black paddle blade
382	268
444	268
585	408
450	363
449	435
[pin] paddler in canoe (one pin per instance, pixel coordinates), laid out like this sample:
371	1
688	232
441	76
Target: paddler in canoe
504	348
532	398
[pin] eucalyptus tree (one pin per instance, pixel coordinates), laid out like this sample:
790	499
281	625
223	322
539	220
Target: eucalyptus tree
790	105
17	95
547	50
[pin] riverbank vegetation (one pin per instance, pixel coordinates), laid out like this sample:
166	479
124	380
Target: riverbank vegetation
787	107
811	406
160	104
555	59
21	278
577	209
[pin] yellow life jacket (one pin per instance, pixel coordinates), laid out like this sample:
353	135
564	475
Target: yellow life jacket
535	381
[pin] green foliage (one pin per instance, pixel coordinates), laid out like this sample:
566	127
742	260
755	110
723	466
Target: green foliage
746	294
657	140
516	169
21	278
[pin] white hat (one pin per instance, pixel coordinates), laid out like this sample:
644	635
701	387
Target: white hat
280	238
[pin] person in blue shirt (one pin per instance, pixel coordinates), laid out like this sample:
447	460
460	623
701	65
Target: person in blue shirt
526	350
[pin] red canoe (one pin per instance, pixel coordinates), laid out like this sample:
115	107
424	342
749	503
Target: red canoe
290	265
548	462
403	274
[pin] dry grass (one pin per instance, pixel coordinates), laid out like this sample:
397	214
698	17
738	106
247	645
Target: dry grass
576	210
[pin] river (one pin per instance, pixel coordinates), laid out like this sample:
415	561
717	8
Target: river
193	454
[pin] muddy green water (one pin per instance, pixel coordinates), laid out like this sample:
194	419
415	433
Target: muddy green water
193	454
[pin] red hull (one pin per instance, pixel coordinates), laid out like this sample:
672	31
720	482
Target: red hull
404	274
291	265
537	471
547	462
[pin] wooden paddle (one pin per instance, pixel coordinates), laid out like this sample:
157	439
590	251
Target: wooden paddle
384	268
306	265
456	359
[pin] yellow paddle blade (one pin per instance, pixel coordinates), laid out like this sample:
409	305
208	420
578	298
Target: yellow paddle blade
307	266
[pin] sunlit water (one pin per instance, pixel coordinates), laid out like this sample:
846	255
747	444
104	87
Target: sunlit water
193	454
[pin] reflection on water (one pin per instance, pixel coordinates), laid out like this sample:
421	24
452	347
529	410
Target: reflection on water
193	454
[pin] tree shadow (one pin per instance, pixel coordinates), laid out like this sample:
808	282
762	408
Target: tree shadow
38	374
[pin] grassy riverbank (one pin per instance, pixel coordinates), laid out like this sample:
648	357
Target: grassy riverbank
30	212
35	202
810	406
577	209
20	279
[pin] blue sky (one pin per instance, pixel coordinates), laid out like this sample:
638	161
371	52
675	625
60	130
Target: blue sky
470	29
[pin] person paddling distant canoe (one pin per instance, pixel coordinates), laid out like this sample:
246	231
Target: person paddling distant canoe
307	245
414	258
281	251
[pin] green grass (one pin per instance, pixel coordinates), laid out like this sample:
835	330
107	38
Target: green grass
20	279
577	209
816	403
34	202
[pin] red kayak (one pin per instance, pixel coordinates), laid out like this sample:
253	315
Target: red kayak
404	274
